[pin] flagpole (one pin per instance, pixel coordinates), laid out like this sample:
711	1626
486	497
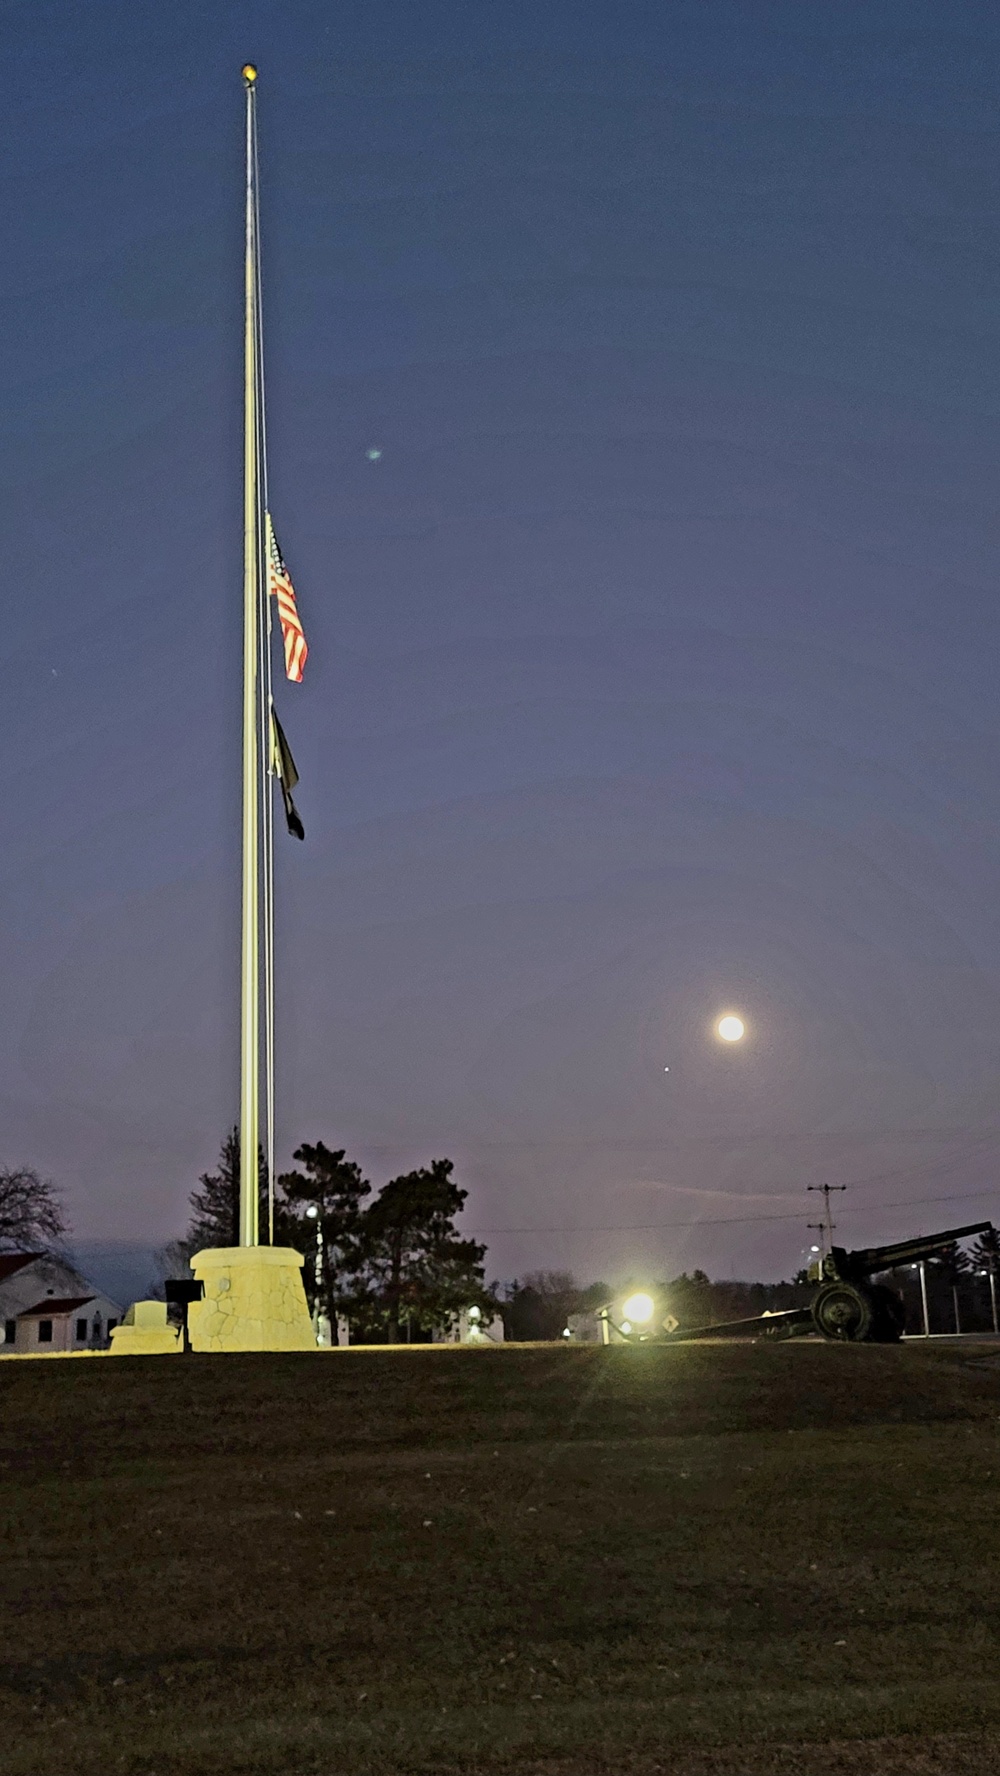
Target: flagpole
266	713
250	975
253	1297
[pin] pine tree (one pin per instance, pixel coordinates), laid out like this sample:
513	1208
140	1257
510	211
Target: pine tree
215	1208
986	1251
414	1265
331	1184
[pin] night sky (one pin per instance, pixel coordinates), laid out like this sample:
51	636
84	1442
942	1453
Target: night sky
653	662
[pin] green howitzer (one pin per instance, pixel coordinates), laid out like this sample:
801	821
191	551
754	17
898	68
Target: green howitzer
848	1304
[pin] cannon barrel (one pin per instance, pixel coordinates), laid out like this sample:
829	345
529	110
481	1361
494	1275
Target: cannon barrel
765	1325
869	1260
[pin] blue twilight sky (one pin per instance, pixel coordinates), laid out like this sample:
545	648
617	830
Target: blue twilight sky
654	661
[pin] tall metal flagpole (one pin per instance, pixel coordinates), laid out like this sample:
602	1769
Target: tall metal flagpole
250	980
267	781
253	1295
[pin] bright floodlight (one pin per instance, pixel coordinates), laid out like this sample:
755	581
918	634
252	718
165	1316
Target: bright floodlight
639	1308
312	1212
731	1028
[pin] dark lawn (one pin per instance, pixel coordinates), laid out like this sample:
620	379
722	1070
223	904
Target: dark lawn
711	1561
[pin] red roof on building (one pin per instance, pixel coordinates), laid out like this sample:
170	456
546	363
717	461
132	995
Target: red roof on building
11	1261
50	1309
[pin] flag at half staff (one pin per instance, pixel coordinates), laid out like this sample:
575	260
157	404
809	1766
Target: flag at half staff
279	582
283	767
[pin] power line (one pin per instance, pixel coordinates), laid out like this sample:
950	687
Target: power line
730	1220
590	1144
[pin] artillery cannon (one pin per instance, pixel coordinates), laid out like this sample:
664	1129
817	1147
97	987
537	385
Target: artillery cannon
848	1304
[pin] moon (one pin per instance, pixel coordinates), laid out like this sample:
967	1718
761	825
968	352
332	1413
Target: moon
730	1028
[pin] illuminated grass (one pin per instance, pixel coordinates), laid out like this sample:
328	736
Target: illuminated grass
532	1560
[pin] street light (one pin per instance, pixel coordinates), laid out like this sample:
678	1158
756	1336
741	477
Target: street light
312	1214
639	1308
991	1273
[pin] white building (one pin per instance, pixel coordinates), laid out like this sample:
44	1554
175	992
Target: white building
46	1305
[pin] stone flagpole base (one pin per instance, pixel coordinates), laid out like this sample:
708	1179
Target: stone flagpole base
254	1300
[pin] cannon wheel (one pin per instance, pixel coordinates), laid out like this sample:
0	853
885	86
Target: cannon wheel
843	1312
888	1316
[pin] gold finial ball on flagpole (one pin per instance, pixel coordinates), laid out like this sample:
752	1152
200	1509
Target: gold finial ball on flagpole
249	73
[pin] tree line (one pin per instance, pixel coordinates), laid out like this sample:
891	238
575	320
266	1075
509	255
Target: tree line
393	1263
396	1266
957	1283
540	1304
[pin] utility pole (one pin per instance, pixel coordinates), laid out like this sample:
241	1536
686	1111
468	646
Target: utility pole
826	1227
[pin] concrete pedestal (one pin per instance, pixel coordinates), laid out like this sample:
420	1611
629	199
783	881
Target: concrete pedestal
145	1332
254	1301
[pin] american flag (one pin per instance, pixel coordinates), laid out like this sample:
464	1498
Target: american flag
279	582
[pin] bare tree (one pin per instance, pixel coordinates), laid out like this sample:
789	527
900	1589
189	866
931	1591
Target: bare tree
171	1260
31	1213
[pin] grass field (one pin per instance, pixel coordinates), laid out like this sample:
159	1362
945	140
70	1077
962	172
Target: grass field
707	1561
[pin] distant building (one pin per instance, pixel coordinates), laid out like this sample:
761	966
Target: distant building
590	1328
46	1305
469	1327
